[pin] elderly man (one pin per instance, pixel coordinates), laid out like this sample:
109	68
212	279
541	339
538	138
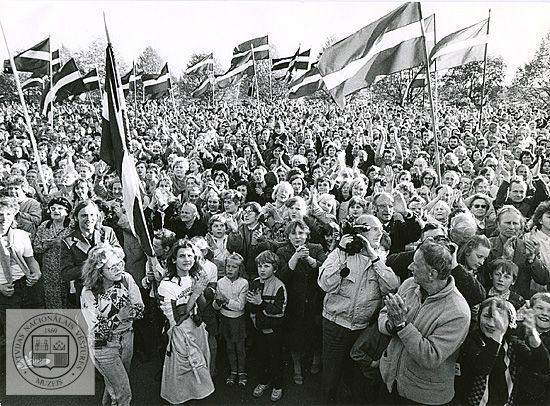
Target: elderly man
355	278
513	191
428	319
401	224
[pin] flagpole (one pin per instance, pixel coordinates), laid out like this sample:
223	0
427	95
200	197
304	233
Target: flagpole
93	106
270	74
484	73
51	81
432	106
212	81
436	84
255	77
25	111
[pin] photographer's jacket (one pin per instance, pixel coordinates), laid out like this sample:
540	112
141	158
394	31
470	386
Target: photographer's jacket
351	301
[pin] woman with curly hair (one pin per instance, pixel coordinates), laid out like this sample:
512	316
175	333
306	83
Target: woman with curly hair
110	302
185	375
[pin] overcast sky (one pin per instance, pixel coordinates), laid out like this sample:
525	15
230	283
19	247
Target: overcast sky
176	29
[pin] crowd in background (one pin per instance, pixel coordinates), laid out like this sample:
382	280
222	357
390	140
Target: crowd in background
335	239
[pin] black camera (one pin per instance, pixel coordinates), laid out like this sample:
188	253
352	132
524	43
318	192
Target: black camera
356	245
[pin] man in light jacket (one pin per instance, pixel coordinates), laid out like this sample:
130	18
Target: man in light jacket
428	320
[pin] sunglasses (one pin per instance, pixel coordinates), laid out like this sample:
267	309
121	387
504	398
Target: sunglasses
479	206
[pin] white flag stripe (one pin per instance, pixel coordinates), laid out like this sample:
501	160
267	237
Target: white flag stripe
306	81
161	79
199	65
261	48
32	54
91	79
386	41
62	82
235	71
32	80
456	46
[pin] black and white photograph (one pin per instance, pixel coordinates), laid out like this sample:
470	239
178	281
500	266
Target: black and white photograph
250	202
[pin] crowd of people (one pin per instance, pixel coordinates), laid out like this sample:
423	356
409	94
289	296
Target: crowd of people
292	231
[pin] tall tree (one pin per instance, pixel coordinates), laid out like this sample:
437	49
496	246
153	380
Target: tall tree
188	83
93	57
149	61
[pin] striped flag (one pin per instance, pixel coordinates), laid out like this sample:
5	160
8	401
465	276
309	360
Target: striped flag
205	64
130	77
301	61
36	80
306	84
260	46
67	82
35	59
235	73
204	87
418	81
461	47
159	86
91	80
388	45
114	151
56	61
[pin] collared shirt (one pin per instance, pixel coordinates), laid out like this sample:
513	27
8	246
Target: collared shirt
17	242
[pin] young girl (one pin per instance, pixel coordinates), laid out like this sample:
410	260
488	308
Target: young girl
267	302
217	241
230	301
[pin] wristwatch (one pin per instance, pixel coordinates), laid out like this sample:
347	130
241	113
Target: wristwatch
400	326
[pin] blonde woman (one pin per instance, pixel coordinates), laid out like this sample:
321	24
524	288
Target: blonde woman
110	302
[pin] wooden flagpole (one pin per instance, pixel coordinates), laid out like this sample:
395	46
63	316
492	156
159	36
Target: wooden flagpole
432	106
435	77
51	81
25	111
270	74
484	74
255	75
212	81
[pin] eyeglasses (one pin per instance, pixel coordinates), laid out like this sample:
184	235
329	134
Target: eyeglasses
249	211
117	266
479	206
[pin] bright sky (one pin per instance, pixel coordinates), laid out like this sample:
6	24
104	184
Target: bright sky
176	29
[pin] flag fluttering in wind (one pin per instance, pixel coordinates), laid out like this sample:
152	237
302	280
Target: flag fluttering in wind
245	66
36	80
129	78
306	84
91	80
114	151
205	64
159	86
259	45
299	62
300	59
67	82
56	61
461	47
388	45
204	87
34	60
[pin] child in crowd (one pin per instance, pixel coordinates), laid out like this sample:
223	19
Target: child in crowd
230	301
267	300
217	241
504	274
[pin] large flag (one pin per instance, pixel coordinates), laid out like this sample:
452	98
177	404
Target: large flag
388	45
259	45
461	47
205	64
306	84
158	87
36	80
67	82
244	67
35	59
114	151
301	61
91	80
204	87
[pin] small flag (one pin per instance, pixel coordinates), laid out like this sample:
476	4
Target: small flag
91	80
56	61
392	43
306	84
461	47
36	80
298	62
158	87
204	87
67	82
301	61
114	151
260	46
35	59
235	73
204	65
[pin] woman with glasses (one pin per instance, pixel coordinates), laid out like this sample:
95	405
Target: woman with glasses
185	375
110	302
480	205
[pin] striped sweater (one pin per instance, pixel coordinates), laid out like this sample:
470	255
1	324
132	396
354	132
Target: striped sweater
269	314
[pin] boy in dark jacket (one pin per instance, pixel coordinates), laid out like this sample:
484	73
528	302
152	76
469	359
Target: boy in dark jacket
266	301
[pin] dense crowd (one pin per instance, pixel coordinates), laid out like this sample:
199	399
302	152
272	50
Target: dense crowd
293	230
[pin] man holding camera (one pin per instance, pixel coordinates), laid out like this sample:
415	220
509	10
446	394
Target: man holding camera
355	279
